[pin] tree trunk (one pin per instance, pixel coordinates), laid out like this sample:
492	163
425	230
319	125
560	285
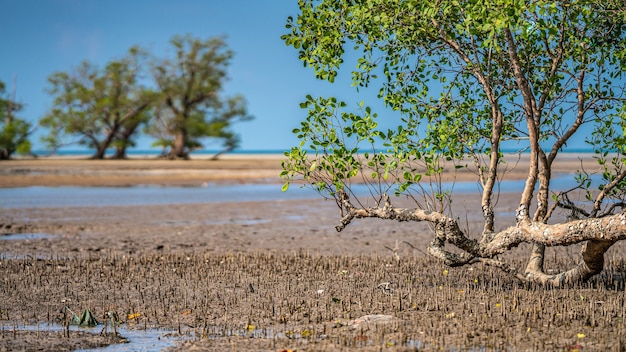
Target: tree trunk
591	264
120	152
124	141
179	150
100	152
223	151
101	148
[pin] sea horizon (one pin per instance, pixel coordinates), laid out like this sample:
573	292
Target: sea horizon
156	152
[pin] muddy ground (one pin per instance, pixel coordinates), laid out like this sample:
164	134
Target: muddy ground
274	276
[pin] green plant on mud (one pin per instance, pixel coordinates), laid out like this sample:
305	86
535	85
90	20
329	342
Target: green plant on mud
461	81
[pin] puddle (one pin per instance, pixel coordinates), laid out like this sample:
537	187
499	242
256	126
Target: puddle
24	236
236	221
295	217
138	340
215	222
141	340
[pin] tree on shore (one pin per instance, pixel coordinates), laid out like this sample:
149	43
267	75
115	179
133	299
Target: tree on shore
190	106
14	132
465	77
99	108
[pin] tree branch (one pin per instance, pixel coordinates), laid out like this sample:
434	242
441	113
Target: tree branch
610	228
606	190
600	234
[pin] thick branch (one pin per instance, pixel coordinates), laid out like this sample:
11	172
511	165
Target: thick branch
446	228
599	234
610	228
496	134
533	133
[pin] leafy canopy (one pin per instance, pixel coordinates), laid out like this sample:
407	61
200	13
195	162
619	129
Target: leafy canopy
465	76
14	131
94	106
191	107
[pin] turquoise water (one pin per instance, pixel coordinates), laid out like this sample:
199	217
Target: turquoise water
156	152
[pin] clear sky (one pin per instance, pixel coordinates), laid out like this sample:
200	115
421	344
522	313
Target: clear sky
40	37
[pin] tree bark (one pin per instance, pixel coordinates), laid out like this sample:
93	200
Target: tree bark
598	233
178	149
101	149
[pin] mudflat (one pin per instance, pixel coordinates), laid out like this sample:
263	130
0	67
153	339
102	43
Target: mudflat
274	275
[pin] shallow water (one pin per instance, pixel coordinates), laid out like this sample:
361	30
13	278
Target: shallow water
44	197
23	236
138	340
69	196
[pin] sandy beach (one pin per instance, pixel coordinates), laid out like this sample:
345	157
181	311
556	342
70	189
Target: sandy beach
272	275
76	171
233	168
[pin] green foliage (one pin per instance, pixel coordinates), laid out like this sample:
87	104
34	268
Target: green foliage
104	108
466	76
609	142
14	131
345	146
98	108
190	107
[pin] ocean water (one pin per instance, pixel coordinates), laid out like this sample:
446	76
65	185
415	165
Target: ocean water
156	152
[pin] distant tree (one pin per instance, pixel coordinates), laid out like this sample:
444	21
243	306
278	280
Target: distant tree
130	129
190	106
14	132
465	76
99	108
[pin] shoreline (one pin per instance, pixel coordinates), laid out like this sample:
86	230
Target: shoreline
76	170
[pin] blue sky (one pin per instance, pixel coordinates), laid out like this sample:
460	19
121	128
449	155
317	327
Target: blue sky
40	37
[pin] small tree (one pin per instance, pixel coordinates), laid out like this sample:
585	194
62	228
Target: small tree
99	108
14	131
191	107
465	77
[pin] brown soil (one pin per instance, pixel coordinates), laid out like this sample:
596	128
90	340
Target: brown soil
275	275
80	172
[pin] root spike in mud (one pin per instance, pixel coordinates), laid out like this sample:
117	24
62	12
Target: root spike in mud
206	299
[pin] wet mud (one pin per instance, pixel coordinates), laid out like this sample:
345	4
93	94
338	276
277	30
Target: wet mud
273	276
